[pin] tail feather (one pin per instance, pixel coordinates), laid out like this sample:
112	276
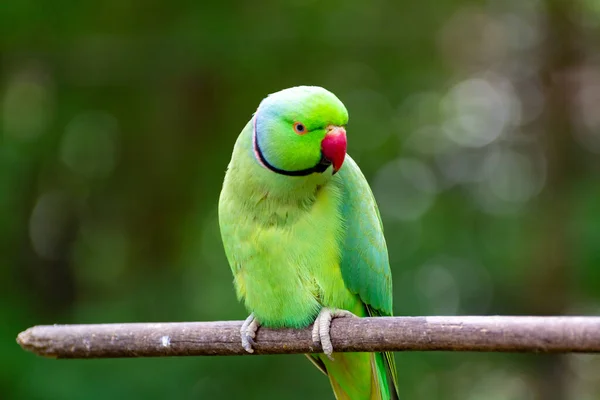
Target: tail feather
360	376
391	376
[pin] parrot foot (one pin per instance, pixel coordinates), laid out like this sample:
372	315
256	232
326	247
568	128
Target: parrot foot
322	325
248	332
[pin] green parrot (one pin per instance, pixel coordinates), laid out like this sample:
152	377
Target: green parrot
303	234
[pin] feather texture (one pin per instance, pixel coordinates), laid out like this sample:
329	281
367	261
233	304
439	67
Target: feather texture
297	244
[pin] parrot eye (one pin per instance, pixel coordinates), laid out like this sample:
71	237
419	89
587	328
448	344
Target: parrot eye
299	128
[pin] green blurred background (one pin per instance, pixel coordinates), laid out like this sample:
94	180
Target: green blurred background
477	124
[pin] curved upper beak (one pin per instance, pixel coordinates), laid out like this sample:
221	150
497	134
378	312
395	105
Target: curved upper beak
334	145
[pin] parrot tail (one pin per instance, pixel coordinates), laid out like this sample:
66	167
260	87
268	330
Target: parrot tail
360	376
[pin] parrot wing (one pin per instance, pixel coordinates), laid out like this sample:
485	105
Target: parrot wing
365	263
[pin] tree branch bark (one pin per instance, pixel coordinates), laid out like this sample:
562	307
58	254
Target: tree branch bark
498	334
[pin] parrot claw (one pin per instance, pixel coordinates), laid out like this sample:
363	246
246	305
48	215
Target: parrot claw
248	333
322	325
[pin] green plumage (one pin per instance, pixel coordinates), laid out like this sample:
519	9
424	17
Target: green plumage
296	244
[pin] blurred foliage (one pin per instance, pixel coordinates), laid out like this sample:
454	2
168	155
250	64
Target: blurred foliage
476	122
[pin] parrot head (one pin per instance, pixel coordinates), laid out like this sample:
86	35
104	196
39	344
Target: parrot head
300	131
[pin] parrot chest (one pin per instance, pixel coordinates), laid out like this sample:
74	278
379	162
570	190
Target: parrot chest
288	261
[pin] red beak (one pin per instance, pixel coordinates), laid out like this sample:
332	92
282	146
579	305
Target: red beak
333	146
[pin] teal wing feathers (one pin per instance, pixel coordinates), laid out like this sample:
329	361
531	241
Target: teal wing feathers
365	263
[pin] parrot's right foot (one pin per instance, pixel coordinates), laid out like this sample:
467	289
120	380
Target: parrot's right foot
248	332
322	325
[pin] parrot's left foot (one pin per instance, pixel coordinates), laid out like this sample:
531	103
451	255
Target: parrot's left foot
322	325
248	332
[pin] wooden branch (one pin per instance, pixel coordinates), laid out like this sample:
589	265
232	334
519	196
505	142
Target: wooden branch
502	334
